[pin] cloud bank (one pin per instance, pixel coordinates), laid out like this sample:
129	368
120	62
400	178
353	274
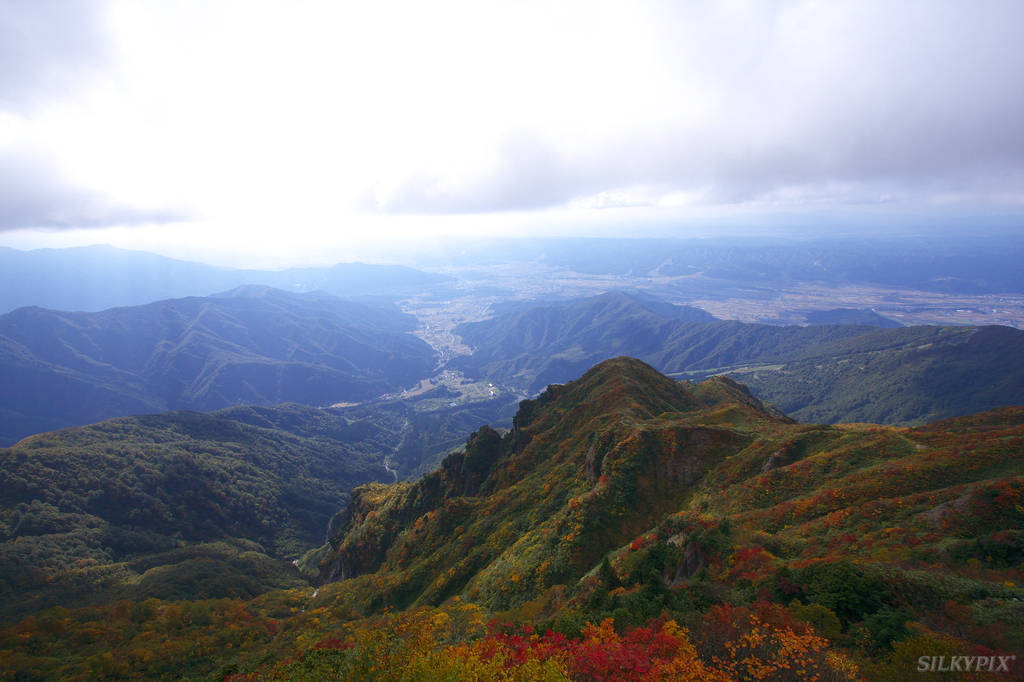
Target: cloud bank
779	104
34	193
49	48
271	117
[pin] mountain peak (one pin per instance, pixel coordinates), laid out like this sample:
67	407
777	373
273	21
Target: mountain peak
621	385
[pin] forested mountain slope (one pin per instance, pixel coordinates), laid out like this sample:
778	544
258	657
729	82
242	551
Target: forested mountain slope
190	505
910	376
585	469
255	345
179	504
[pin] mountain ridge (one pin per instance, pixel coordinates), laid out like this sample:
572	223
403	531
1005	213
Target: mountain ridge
254	346
596	505
818	373
607	418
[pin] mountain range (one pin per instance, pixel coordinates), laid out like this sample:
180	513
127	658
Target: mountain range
253	345
94	278
98	277
679	496
987	262
825	373
263	346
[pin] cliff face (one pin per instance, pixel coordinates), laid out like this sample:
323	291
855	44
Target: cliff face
588	465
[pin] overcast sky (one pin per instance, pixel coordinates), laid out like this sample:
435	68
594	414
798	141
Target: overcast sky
294	129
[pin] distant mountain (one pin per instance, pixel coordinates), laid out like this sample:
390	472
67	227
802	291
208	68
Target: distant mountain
347	279
976	264
820	373
255	345
94	278
552	344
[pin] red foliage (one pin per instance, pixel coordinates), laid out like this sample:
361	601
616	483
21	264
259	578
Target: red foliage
629	657
750	563
601	655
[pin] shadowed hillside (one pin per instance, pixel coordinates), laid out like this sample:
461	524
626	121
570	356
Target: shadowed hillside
255	345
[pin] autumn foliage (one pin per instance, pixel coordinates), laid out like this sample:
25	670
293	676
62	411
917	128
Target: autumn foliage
422	645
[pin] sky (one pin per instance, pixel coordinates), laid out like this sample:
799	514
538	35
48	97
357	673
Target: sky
250	132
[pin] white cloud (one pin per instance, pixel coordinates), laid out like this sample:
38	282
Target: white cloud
53	54
34	193
297	116
49	48
764	103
